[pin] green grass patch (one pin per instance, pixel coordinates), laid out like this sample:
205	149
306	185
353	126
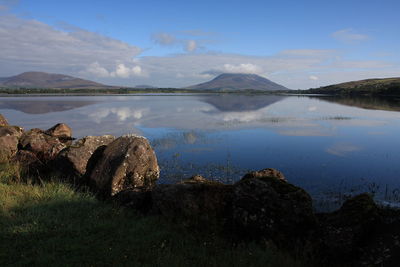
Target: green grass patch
51	224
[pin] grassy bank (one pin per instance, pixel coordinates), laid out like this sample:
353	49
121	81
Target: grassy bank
52	224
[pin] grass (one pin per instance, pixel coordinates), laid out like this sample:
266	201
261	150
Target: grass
50	223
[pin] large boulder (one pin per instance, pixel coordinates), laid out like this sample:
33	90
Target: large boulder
9	136
3	121
72	161
266	206
195	201
129	162
44	146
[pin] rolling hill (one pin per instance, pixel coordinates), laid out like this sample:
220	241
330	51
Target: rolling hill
48	80
239	81
386	86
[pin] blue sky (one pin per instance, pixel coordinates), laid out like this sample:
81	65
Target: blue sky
299	44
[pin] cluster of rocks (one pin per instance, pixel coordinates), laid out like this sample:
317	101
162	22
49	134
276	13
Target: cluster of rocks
105	163
262	206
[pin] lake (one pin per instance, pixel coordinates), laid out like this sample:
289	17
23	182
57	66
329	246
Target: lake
332	147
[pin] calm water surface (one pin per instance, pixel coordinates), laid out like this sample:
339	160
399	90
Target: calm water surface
331	147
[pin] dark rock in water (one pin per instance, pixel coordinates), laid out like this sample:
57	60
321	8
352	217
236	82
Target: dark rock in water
129	162
272	173
195	201
72	161
44	146
265	206
9	136
3	121
60	130
345	231
197	179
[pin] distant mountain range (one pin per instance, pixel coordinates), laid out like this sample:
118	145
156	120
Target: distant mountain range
386	86
48	80
238	81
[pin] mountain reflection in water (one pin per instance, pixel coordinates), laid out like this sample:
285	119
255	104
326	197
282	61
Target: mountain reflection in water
240	103
366	102
42	106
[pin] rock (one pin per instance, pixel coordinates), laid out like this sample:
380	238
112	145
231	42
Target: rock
11	131
9	136
347	230
269	172
3	121
72	161
29	162
44	146
267	207
196	179
196	202
60	130
128	162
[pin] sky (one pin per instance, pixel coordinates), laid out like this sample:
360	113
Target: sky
299	44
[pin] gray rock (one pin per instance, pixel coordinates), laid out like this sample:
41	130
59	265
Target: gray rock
72	161
129	162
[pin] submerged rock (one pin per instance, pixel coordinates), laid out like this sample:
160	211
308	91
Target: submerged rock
266	206
72	161
129	162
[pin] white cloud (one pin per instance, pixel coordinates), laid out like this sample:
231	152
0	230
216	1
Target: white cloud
97	70
191	45
349	36
167	39
313	78
242	68
121	113
121	71
28	45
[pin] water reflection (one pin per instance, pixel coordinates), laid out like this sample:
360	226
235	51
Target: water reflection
241	103
42	106
366	102
316	142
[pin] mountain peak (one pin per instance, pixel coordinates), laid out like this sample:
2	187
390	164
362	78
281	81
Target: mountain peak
47	80
239	81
